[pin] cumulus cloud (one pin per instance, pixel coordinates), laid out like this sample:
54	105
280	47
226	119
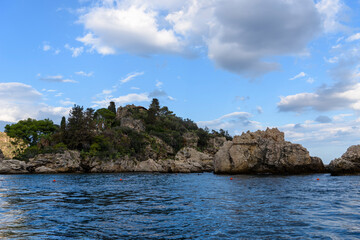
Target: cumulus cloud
327	138
235	123
134	28
57	78
241	43
343	94
20	101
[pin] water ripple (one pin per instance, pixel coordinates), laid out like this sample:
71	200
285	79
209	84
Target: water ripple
179	206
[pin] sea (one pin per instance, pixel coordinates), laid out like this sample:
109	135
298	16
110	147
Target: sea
179	206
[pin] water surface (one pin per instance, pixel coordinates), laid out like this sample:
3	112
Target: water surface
179	206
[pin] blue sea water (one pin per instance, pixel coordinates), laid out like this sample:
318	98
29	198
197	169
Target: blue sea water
179	206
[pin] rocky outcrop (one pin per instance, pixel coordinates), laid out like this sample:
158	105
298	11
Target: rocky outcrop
1	155
187	160
190	139
265	152
66	162
348	163
125	116
12	166
8	147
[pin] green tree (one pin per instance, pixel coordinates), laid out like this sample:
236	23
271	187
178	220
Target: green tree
31	130
80	129
112	107
104	118
153	111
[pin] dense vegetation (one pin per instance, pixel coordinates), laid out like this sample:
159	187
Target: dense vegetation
106	133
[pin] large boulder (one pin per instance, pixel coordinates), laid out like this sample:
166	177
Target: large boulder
69	161
265	152
348	163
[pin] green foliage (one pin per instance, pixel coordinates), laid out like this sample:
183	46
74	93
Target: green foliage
31	130
112	107
99	133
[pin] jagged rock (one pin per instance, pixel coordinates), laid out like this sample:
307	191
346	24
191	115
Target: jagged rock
125	116
190	139
96	165
1	155
190	160
149	166
265	152
349	163
12	166
69	161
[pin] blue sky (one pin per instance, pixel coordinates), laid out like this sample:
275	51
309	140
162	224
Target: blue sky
233	64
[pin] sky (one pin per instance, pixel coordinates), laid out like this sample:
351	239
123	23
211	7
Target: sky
238	65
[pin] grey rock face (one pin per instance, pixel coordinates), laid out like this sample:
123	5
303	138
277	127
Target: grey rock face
125	116
349	163
69	161
12	167
265	152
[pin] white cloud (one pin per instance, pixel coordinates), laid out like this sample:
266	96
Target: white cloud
325	138
20	101
171	98
57	78
236	42
310	80
66	102
235	122
121	100
46	47
331	11
332	60
131	28
259	109
300	75
84	74
75	51
135	88
353	37
130	76
158	84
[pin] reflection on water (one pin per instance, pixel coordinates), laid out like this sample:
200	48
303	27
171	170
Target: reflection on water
178	206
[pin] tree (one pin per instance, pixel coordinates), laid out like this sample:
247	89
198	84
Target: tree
153	112
104	118
63	124
80	129
31	130
112	107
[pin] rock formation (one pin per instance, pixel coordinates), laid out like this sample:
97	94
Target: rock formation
348	163
66	162
125	116
265	152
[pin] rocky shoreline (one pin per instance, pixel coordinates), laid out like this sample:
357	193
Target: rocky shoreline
260	152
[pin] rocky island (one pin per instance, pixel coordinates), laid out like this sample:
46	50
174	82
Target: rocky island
136	139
